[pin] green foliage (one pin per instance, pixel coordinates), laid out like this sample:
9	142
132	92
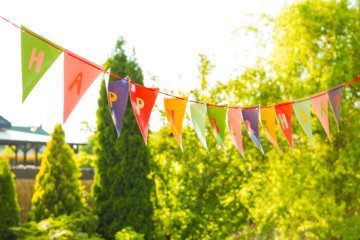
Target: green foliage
58	189
79	225
122	188
128	234
9	209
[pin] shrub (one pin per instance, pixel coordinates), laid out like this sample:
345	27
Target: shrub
9	209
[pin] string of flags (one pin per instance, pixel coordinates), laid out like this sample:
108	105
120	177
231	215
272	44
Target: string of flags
38	54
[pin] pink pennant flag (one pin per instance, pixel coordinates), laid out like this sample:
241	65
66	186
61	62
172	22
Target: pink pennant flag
234	124
79	74
320	104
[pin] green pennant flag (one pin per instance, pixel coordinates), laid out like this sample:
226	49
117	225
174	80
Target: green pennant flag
302	112
217	118
37	54
198	117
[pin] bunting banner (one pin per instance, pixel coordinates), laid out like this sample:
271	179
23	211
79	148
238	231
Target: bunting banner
175	111
234	125
335	102
142	102
268	120
284	116
217	119
251	121
198	117
302	109
78	76
320	105
37	56
118	92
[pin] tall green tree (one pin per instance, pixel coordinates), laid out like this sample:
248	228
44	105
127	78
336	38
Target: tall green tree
122	188
58	188
9	208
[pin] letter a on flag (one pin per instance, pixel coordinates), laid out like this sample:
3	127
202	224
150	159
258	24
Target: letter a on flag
302	111
198	118
79	74
37	56
251	121
217	119
118	92
320	104
234	124
142	102
284	115
268	119
335	102
175	111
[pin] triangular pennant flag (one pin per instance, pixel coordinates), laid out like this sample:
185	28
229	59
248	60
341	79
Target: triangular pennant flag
217	119
142	102
37	56
302	111
198	118
175	111
234	124
118	92
335	102
320	104
268	119
251	121
284	115
79	74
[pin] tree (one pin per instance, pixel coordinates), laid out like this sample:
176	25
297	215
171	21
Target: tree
122	188
9	208
58	188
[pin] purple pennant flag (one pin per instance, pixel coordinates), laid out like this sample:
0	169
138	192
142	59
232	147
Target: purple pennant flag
118	92
335	100
251	120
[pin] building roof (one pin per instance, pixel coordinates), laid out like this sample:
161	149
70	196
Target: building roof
17	134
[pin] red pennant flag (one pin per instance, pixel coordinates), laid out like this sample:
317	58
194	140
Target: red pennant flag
79	74
320	104
284	115
142	102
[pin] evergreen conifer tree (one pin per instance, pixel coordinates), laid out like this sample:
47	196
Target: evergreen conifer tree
9	209
122	188
57	187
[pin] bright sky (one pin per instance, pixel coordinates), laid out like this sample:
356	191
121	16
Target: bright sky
167	37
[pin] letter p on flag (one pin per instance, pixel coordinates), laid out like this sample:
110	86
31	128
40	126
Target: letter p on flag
142	102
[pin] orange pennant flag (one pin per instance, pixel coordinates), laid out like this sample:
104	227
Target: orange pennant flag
175	111
79	74
268	119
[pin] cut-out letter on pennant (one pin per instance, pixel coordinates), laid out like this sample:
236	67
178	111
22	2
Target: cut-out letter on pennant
198	118
37	56
251	121
234	124
118	92
79	74
268	119
302	111
142	102
217	119
175	111
284	116
335	102
320	104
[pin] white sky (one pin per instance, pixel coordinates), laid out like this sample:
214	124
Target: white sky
167	37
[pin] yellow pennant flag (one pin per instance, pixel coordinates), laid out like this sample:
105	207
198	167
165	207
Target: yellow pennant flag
175	111
267	115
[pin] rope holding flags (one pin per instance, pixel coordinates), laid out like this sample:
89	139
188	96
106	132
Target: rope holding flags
38	54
